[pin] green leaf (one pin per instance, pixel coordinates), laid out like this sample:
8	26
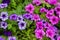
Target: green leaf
9	26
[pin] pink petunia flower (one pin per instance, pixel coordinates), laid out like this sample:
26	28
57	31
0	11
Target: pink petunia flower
54	20
42	10
36	17
51	2
39	25
50	33
29	8
37	2
39	33
48	15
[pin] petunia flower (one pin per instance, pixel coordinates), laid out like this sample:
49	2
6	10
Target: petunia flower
4	25
7	33
51	2
3	5
39	25
13	17
22	25
29	8
39	33
4	16
28	16
50	33
36	17
11	38
37	2
42	10
1	38
54	20
57	8
20	18
6	1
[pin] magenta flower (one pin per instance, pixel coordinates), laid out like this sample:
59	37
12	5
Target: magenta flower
51	11
39	33
51	2
50	33
37	2
22	25
11	38
39	25
48	15
58	38
47	25
3	5
4	16
4	25
29	8
36	17
57	8
54	20
13	17
42	10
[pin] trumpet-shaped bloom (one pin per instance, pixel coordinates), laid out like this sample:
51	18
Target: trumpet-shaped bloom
50	33
39	33
4	16
3	5
13	17
22	25
11	38
51	2
54	20
3	25
29	8
43	10
28	16
39	25
6	1
20	18
37	2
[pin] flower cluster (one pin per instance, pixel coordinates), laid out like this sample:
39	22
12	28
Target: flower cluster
44	27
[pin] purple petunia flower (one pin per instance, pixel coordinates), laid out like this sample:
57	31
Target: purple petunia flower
6	1
20	18
11	38
51	2
22	25
29	8
3	5
1	38
4	16
28	16
37	2
13	17
50	33
3	25
39	33
7	33
54	20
